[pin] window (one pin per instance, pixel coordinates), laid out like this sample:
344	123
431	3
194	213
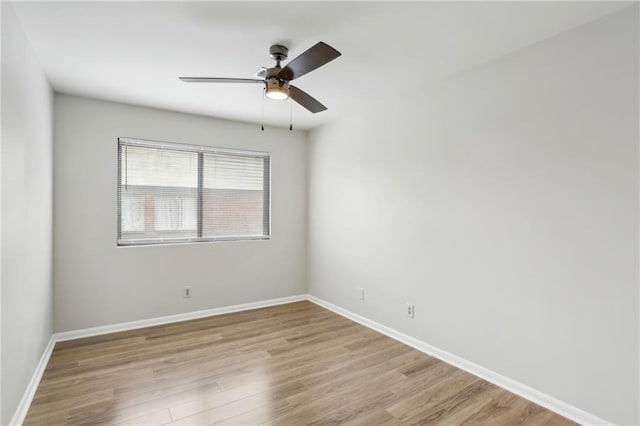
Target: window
170	193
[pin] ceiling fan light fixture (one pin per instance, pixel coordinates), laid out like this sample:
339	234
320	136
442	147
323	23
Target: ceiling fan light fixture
277	90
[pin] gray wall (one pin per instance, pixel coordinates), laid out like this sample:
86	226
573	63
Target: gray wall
98	283
503	203
26	212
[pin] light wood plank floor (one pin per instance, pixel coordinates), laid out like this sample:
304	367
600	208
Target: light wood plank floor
294	364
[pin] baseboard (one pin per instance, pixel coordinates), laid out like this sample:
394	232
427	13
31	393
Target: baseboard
132	325
29	393
533	395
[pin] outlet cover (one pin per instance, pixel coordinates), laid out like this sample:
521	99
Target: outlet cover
410	310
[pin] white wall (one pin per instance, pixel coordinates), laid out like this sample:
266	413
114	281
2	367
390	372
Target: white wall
98	283
503	203
26	212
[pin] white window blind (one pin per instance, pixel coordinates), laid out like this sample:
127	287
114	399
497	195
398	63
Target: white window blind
180	193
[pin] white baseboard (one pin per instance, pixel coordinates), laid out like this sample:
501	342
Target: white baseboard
132	325
533	395
511	385
30	392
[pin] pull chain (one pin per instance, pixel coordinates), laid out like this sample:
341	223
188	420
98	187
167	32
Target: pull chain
263	100
290	116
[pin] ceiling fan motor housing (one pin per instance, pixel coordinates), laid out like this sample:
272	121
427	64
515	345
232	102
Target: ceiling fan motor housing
276	82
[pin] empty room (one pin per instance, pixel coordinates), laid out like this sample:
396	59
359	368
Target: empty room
296	213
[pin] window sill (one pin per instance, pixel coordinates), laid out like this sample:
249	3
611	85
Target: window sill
192	241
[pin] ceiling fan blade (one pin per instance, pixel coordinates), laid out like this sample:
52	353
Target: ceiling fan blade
314	57
306	100
219	80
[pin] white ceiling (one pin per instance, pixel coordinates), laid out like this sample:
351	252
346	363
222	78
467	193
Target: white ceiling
133	52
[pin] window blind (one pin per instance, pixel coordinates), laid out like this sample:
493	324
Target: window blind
181	193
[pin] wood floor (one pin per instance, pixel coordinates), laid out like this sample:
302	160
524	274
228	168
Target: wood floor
294	364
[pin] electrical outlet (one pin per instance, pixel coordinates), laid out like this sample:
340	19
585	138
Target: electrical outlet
410	311
361	293
186	292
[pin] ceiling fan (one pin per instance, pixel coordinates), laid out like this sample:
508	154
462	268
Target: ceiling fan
277	79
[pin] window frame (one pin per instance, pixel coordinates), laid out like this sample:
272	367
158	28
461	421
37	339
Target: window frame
200	150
